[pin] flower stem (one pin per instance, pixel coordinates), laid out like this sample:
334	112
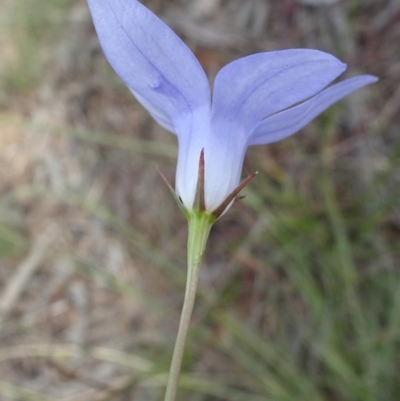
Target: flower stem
200	224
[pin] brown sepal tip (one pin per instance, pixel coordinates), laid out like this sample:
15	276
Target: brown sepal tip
232	196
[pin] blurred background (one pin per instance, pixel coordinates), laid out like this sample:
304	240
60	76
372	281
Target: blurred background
299	294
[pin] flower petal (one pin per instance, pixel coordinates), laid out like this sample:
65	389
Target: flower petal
150	58
156	113
288	122
222	167
254	87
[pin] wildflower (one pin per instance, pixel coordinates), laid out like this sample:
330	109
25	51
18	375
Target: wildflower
256	100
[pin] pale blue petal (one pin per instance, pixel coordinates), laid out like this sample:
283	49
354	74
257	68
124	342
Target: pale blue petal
254	87
156	113
223	163
288	122
150	58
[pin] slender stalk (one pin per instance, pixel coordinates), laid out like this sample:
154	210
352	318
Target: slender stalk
200	224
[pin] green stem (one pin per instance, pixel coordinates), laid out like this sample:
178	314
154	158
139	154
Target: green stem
200	224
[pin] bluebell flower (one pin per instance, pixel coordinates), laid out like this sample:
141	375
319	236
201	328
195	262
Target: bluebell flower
258	99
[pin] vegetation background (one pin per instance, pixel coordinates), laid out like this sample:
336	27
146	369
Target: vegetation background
299	294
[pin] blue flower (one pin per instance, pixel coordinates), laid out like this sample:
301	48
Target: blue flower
258	99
